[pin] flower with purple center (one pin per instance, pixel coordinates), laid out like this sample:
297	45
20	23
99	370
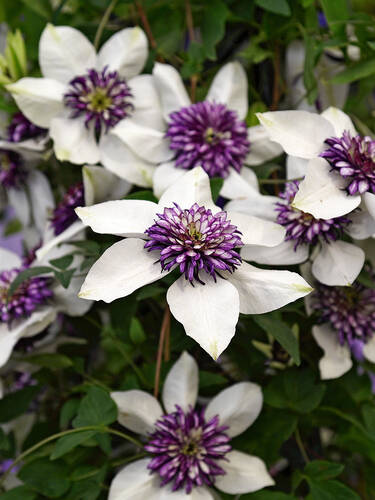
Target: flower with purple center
12	171
103	98
21	129
186	449
302	228
354	159
210	135
195	240
189	448
64	215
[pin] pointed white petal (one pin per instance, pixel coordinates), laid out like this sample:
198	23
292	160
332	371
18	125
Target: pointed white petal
362	225
262	149
18	200
340	121
137	410
41	197
117	157
322	194
73	141
369	350
300	133
257	231
165	175
101	185
296	167
181	385
230	87
338	263
244	474
130	217
258	205
280	255
147	106
67	300
204	312
123	268
171	89
262	290
8	259
336	360
39	99
134	482
241	185
125	52
369	199
49	244
65	53
238	407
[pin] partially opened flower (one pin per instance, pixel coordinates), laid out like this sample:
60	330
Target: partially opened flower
190	447
84	96
187	232
334	261
340	171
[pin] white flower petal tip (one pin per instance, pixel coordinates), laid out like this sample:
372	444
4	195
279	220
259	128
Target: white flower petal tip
337	358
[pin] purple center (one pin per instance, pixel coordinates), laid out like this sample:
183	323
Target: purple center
301	227
12	172
209	135
349	310
101	97
29	295
354	159
195	239
186	449
64	215
21	128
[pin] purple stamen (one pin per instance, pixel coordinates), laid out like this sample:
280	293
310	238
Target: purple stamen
209	135
64	215
21	128
12	172
195	239
302	227
354	159
187	449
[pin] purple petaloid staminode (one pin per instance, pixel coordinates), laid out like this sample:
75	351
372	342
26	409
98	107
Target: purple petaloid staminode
196	240
12	172
209	135
64	215
349	310
187	449
301	227
20	129
102	97
354	159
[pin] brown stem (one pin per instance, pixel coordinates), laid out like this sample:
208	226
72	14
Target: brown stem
276	81
146	24
164	327
167	345
190	28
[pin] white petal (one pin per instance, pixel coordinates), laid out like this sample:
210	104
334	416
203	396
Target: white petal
262	149
262	290
123	268
192	187
147	106
230	87
146	142
257	231
321	192
369	350
165	175
117	157
258	205
204	311
362	225
137	410
283	254
19	201
39	99
336	360
296	167
181	385
65	236
101	185
121	217
237	406
340	121
65	53
73	141
125	52
369	199
241	185
67	300
134	482
300	133
41	197
8	259
338	263
244	474
171	89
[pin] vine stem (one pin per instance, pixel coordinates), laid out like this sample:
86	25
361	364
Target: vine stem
163	331
146	24
301	448
103	22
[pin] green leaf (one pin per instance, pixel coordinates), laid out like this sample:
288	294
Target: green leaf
275	6
368	413
14	404
213	25
330	490
69	442
14	226
85	490
52	361
208	379
62	262
40	7
355	72
19	493
89	247
141	195
216	184
282	333
267	495
47	478
96	408
65	277
68	411
137	333
320	470
336	13
26	275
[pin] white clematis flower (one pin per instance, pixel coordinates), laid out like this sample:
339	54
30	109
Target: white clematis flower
185	230
227	415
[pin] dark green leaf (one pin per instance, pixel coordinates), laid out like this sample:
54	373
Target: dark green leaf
19	493
137	333
96	408
65	277
276	6
26	275
141	195
213	25
53	361
330	490
48	478
14	404
320	470
13	226
267	495
356	71
68	411
62	262
89	247
69	442
336	13
216	184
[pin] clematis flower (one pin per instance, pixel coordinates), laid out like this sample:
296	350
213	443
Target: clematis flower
35	303
84	97
340	171
334	262
211	134
187	232
346	325
189	447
